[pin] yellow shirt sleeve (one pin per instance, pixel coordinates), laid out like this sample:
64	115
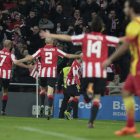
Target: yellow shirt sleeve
132	30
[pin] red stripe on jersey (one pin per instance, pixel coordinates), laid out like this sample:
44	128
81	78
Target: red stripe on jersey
95	51
74	74
49	56
6	59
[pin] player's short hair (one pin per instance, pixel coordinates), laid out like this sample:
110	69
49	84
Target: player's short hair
135	4
49	40
97	24
7	43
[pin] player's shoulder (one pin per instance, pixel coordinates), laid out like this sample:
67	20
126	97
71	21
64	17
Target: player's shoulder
135	24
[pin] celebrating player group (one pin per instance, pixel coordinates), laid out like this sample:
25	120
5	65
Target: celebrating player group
88	74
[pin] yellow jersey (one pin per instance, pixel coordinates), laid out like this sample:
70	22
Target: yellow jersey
133	36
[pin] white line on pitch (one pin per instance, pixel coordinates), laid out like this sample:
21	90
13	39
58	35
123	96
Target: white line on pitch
56	134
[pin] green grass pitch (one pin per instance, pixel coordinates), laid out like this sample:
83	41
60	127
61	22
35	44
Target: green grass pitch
12	128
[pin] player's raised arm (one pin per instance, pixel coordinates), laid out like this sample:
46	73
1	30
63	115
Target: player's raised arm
20	62
73	56
46	34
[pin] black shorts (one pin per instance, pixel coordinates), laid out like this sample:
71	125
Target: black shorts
73	90
4	83
99	85
47	81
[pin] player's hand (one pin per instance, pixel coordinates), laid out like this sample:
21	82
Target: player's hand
16	62
106	63
31	66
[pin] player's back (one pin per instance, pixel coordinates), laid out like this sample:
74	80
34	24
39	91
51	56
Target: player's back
49	56
74	73
95	51
6	59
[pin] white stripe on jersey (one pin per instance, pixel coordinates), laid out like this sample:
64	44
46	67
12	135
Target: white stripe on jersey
43	72
4	74
63	53
36	54
49	72
13	58
73	81
105	73
9	74
53	71
97	70
112	39
90	68
84	69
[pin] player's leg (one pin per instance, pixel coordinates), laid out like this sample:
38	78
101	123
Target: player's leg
99	89
42	99
83	89
94	110
130	111
5	85
131	86
69	109
51	84
43	84
75	106
64	104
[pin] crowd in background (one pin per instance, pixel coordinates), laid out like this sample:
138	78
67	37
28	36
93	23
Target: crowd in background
21	21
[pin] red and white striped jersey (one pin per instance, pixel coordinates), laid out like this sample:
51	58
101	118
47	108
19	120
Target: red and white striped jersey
6	60
49	56
37	67
74	74
95	51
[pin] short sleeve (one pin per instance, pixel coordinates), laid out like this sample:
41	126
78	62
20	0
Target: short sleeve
112	41
132	31
61	53
37	54
78	39
13	58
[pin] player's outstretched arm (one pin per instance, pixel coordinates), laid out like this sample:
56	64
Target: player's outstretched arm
25	66
26	59
46	34
73	56
121	50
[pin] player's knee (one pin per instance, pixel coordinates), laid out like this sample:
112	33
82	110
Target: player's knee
50	90
43	89
5	91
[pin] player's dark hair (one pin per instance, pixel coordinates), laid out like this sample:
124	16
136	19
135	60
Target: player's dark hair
97	24
135	4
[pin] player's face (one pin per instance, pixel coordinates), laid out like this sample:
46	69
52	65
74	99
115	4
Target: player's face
127	9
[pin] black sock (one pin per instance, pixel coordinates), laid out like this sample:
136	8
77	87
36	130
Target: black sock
4	103
94	112
42	98
63	106
50	100
70	106
75	110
